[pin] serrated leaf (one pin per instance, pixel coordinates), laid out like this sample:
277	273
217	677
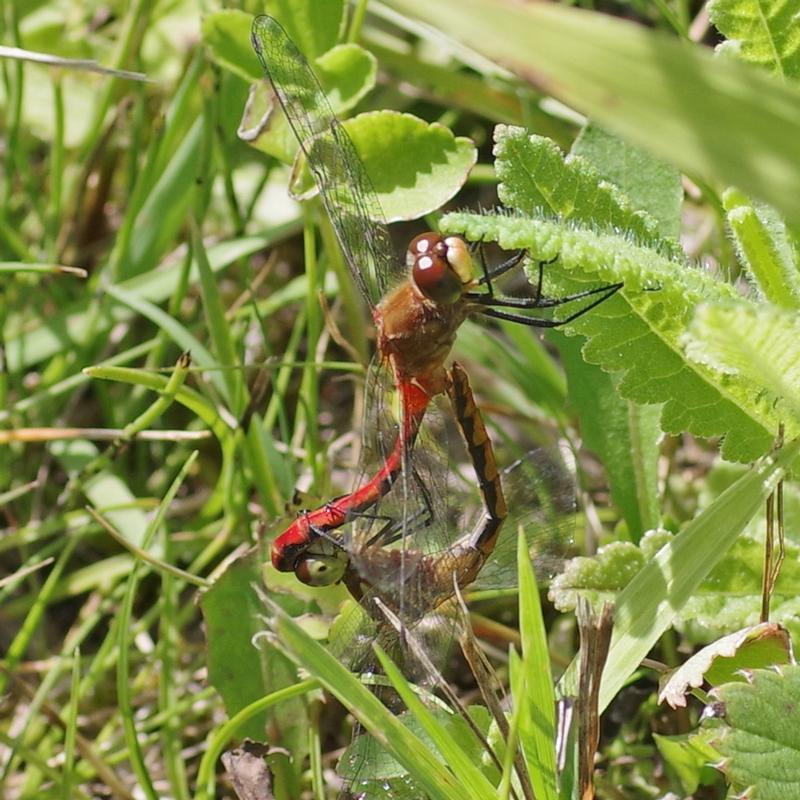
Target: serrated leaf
757	726
758	343
648	184
648	604
415	167
762	645
727	599
535	177
762	32
227	34
639	331
624	434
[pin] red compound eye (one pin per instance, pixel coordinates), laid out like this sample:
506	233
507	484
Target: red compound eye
430	270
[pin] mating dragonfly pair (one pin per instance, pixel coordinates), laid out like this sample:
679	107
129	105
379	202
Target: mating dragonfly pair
417	306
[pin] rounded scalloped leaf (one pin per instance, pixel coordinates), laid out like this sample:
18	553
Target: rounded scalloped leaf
415	166
757	726
347	73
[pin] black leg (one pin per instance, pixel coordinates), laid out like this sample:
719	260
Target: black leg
537	322
500	269
535	302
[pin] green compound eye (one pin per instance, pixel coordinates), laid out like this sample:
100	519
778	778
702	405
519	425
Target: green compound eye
320	570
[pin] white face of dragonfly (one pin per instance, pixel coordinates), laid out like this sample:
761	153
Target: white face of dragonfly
321	565
441	267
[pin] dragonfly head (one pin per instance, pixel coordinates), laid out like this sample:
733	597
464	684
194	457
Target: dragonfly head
441	267
321	566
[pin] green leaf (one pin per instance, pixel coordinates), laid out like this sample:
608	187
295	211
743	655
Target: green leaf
410	751
624	434
758	343
648	184
313	25
347	74
717	119
535	178
689	755
241	672
757	726
415	167
764	249
218	327
761	32
227	34
537	728
649	603
639	331
164	211
459	760
727	599
762	646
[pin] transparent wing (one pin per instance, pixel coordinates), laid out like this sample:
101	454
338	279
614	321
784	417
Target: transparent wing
346	189
540	494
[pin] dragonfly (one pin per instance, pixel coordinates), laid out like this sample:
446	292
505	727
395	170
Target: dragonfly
406	597
418	303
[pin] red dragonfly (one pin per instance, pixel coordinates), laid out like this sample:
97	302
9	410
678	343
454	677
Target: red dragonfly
417	303
406	595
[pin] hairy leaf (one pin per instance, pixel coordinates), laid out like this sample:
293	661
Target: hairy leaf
623	433
535	177
762	32
758	343
764	249
757	726
639	331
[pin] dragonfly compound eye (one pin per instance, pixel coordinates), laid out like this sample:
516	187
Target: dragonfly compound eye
440	268
320	570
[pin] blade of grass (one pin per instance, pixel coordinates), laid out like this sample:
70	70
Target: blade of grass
458	760
537	719
409	751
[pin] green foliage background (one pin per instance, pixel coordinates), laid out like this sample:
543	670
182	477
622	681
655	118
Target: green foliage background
132	476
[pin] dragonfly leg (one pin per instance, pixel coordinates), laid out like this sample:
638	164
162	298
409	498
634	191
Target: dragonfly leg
500	269
604	293
541	302
481	452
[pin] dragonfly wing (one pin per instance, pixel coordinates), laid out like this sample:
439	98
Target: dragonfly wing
540	492
344	185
